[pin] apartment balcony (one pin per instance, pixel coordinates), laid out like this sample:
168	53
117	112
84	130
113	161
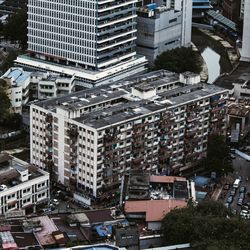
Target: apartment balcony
116	58
116	28
72	132
214	103
118	20
192	118
124	33
122	42
109	14
111	5
49	127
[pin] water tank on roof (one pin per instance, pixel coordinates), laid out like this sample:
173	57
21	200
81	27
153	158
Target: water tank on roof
152	6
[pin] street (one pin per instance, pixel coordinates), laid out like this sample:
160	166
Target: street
241	168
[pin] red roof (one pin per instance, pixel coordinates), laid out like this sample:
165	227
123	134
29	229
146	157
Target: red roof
166	179
155	209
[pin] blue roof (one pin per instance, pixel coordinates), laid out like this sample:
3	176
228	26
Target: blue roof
104	230
18	76
201	181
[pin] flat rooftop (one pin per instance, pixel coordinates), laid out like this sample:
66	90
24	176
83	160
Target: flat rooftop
124	104
240	75
10	172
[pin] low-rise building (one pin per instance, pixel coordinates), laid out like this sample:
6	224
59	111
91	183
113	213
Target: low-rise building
21	185
18	82
238	120
90	139
24	86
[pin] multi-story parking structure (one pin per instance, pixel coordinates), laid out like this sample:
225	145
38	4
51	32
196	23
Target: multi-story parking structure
159	122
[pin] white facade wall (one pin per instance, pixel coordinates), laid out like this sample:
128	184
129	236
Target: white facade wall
89	34
26	194
245	54
82	162
187	10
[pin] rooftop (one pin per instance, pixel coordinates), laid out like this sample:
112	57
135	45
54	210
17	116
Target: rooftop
240	75
18	76
107	105
11	169
239	109
155	210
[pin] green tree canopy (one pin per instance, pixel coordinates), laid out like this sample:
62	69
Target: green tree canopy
180	60
218	155
7	119
209	225
16	27
4	101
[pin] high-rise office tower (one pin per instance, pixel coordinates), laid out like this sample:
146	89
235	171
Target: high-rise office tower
94	40
245	54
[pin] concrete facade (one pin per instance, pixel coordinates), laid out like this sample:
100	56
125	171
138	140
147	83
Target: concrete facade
245	54
90	139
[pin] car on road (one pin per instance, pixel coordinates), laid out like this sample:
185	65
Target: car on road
233	192
47	210
232	156
230	199
244	212
242	189
55	202
244	207
240	201
242	195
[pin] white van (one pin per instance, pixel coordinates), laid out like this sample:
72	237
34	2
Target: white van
236	183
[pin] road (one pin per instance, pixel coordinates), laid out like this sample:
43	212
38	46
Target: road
241	168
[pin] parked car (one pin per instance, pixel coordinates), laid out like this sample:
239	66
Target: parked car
232	156
244	212
244	207
55	202
240	201
230	199
242	189
242	195
47	210
233	192
3	187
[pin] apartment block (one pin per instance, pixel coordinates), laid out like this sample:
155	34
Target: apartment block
158	122
22	185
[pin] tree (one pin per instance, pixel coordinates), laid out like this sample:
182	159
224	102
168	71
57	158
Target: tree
179	60
209	225
8	61
218	155
4	101
16	27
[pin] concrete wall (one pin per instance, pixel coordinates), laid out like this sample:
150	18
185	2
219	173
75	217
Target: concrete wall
158	34
245	55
